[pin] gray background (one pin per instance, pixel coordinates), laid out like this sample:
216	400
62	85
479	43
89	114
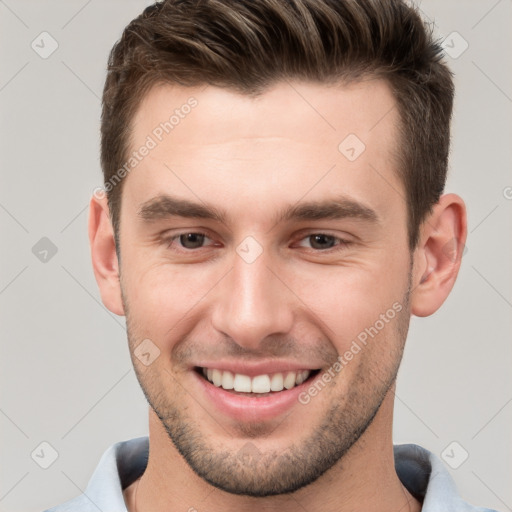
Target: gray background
66	377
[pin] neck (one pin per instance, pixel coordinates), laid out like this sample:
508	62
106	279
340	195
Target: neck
365	479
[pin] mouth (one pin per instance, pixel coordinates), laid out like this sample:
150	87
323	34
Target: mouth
264	385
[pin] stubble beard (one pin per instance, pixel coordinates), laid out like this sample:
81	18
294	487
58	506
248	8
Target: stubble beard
251	471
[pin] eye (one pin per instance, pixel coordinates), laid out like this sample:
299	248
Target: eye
323	241
189	240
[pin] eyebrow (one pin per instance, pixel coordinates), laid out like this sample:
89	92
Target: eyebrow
166	206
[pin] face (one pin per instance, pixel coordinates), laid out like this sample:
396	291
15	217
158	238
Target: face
263	244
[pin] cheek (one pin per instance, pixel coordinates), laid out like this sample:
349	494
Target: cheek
161	296
349	300
341	300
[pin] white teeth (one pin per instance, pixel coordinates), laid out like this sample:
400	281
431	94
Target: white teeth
301	376
276	383
242	383
289	380
217	377
227	380
259	384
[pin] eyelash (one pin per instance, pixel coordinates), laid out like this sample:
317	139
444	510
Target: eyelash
340	245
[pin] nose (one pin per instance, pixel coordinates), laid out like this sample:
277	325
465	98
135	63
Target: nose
252	303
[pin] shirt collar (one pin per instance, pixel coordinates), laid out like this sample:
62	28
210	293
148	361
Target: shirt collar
420	471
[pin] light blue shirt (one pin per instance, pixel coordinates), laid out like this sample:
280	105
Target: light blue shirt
420	471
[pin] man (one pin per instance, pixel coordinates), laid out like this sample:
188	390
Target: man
274	215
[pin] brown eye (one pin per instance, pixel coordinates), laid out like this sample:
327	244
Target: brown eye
322	241
192	240
319	242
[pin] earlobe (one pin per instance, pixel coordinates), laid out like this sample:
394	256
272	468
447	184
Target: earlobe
103	254
438	256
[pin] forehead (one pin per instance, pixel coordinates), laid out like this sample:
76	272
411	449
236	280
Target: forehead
301	109
293	139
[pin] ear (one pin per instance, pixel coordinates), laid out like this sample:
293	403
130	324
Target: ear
438	256
103	254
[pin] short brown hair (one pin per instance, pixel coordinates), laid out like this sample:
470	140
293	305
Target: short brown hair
248	45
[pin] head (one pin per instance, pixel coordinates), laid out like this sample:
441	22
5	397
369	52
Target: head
291	214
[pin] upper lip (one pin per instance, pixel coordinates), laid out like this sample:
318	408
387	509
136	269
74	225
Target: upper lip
252	369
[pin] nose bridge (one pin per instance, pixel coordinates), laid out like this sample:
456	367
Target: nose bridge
251	302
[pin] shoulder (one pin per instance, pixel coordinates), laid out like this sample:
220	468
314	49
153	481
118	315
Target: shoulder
427	478
120	465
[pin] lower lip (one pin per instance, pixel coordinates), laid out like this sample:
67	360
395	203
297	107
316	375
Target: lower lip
251	408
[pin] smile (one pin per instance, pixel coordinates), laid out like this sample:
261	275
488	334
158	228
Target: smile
262	385
253	392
